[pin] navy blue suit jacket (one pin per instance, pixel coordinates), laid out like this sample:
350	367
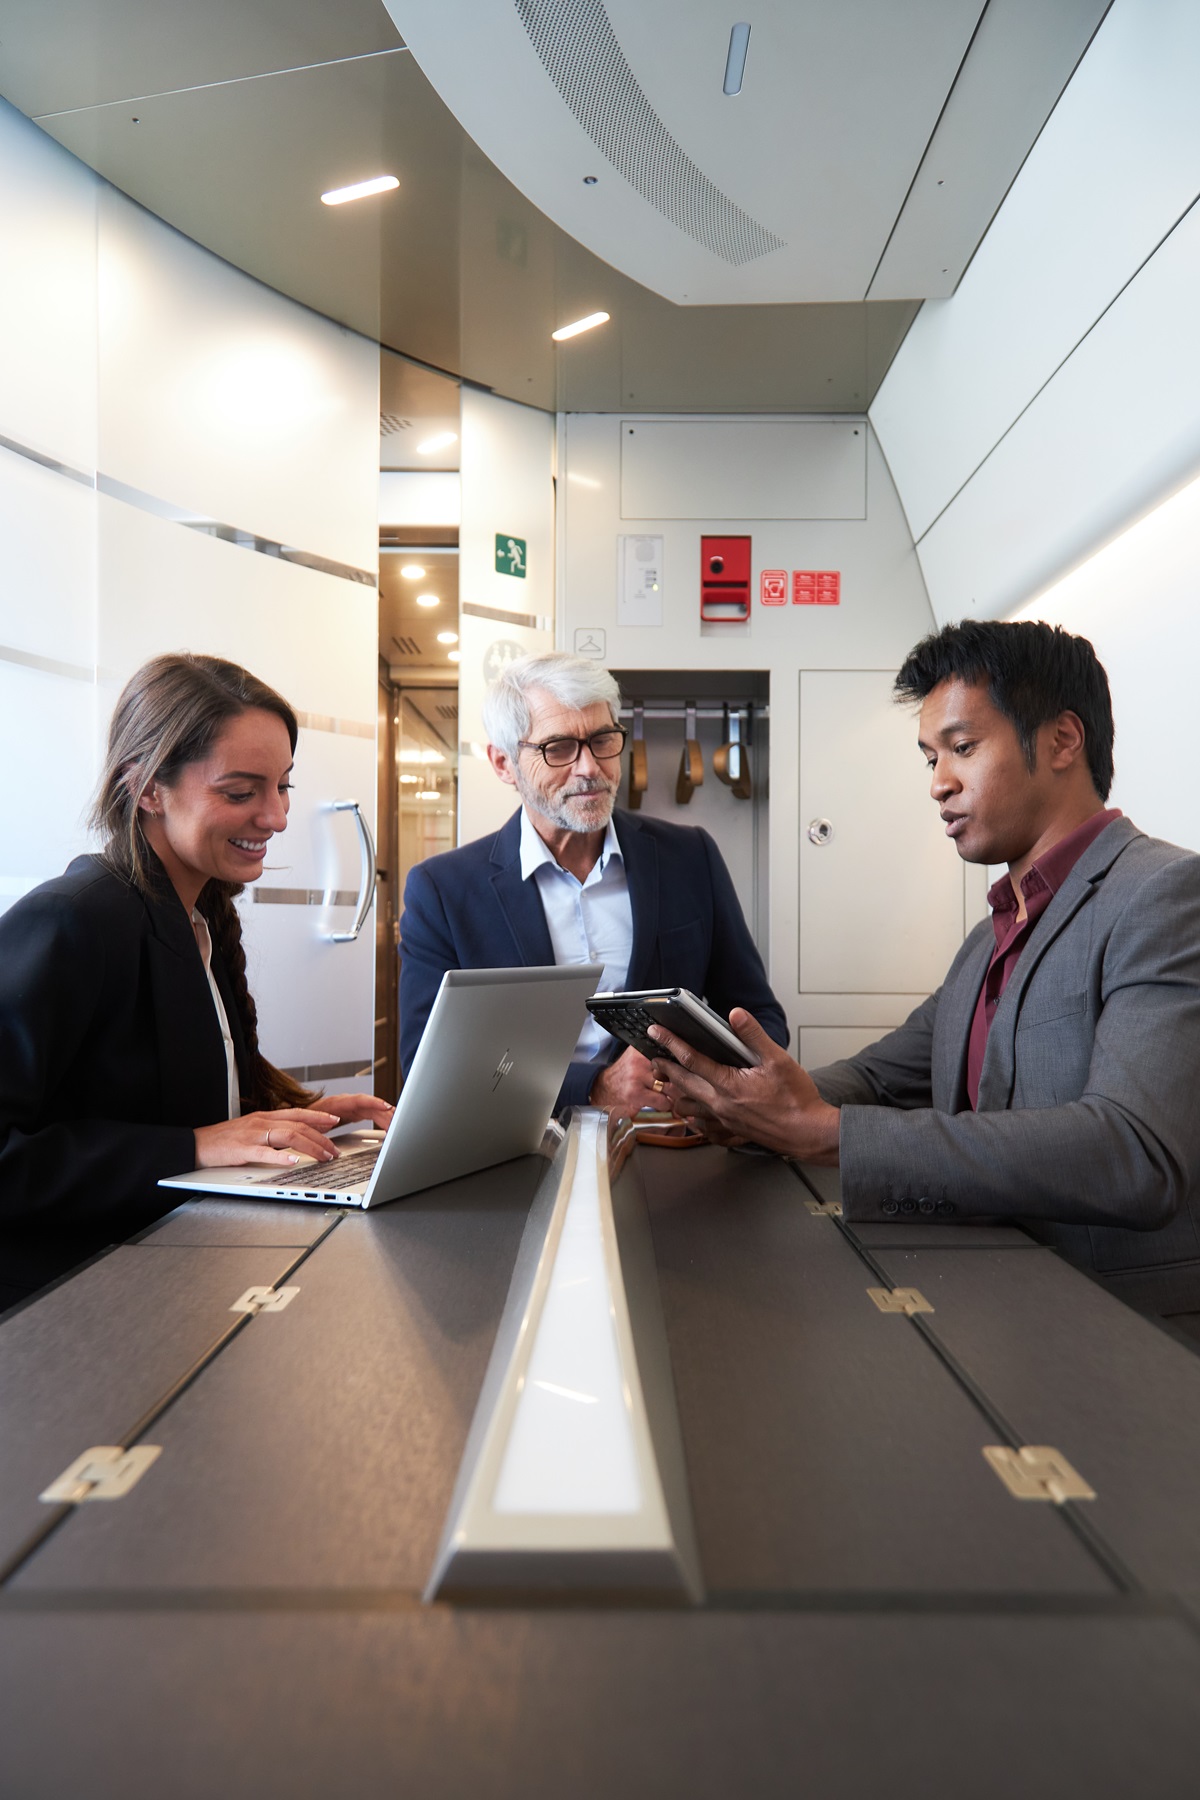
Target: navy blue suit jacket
470	909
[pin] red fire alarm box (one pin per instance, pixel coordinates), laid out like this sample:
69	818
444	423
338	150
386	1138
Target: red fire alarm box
725	578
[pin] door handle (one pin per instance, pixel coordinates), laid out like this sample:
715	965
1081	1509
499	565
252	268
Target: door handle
366	878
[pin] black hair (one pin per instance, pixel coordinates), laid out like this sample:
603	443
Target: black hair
1033	672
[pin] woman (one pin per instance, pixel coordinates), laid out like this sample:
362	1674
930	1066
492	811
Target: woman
128	1035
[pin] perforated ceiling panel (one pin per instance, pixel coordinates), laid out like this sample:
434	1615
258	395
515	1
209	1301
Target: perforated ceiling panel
579	51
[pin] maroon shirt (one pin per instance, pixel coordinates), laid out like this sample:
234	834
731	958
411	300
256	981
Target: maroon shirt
1039	887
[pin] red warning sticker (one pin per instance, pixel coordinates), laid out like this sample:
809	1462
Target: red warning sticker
816	587
772	587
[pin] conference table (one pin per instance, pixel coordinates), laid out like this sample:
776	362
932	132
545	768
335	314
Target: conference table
902	1509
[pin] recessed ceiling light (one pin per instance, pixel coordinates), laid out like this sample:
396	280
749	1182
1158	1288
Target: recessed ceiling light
428	600
413	572
454	656
447	637
570	331
428	794
410	780
441	441
735	62
379	184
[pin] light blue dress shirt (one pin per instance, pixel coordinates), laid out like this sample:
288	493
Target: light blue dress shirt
588	921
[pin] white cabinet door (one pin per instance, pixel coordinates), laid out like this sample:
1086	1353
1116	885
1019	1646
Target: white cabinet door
882	899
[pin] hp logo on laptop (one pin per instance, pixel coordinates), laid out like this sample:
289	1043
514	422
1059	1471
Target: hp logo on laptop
502	1068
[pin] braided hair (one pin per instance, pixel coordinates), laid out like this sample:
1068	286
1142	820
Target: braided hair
169	715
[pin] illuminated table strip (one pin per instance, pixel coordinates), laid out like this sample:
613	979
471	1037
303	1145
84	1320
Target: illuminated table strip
573	1479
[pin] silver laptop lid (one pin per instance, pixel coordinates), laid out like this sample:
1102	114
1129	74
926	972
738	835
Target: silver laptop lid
483	1083
481	1089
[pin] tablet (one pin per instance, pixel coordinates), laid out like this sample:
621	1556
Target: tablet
629	1014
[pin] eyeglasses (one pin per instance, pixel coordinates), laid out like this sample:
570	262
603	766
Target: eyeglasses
560	753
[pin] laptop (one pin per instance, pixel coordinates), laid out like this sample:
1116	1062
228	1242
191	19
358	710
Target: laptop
481	1090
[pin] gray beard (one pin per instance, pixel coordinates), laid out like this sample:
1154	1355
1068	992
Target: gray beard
564	816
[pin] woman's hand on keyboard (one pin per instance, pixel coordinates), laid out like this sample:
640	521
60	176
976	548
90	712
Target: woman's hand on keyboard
283	1136
287	1134
352	1108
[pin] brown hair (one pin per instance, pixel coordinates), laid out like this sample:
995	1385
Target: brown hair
169	715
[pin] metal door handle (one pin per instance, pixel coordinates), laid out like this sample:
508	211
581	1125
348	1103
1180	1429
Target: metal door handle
366	878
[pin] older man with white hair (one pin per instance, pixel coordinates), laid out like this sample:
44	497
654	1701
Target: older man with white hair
572	879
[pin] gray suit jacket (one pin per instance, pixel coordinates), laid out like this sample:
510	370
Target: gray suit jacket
1088	1127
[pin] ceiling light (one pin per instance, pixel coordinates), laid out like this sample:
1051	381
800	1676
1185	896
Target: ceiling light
569	331
454	656
735	62
428	600
428	794
410	780
447	637
379	184
442	440
413	572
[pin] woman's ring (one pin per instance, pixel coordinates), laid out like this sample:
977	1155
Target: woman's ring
267	1136
659	1086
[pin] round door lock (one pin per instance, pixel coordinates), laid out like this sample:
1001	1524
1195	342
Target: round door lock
820	831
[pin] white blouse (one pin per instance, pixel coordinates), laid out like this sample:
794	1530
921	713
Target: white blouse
204	939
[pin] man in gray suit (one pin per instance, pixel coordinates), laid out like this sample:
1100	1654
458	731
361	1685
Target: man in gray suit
1054	1080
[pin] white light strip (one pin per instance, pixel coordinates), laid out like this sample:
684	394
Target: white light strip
563	1456
570	331
573	1477
735	62
379	184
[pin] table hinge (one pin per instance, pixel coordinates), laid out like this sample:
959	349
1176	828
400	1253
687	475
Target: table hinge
824	1209
264	1299
105	1472
900	1300
1037	1472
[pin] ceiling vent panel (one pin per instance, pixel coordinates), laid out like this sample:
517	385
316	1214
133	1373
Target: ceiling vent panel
869	142
580	53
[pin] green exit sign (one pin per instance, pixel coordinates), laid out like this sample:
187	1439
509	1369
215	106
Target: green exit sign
510	555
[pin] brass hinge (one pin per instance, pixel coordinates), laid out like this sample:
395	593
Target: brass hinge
1037	1472
105	1472
824	1209
264	1299
900	1300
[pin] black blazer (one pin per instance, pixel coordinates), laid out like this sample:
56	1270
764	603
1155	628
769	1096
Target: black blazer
110	1056
470	909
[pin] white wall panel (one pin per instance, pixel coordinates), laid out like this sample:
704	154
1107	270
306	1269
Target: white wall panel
220	396
47	295
1116	166
743	469
507	486
1137	601
311	635
1118	427
47	731
140	359
47	563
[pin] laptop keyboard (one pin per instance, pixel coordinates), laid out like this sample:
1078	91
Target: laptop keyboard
351	1167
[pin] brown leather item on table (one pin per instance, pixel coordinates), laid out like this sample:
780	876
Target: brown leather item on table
639	768
691	763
